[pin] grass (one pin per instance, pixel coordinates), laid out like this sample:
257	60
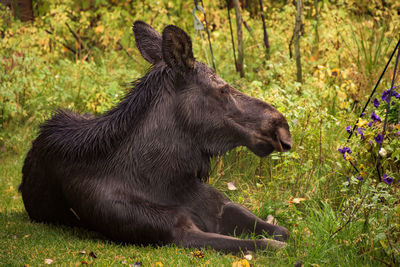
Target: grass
23	242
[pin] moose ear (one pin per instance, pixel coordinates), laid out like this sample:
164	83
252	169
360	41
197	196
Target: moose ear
148	41
177	49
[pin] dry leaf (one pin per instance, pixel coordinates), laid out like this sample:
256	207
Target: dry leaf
241	263
48	261
248	257
231	186
198	254
296	200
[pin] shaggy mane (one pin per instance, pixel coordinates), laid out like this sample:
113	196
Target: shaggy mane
75	136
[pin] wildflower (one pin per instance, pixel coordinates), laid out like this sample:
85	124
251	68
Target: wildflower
375	117
360	178
386	95
382	152
361	123
362	167
398	133
348	129
348	157
376	103
378	138
362	114
370	124
360	131
345	150
387	179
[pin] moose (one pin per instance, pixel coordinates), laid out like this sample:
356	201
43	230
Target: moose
137	173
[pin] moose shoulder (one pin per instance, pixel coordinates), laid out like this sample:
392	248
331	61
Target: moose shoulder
136	174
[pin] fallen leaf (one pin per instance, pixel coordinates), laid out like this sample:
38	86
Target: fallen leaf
91	254
82	252
198	254
231	186
84	263
48	261
296	200
248	257
241	263
26	236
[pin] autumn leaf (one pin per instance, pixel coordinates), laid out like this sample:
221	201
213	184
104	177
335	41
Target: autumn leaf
99	29
296	200
198	254
241	263
231	186
48	261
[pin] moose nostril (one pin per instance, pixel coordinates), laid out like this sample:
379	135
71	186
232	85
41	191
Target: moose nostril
286	146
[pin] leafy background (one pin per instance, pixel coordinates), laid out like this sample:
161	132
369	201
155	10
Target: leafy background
81	55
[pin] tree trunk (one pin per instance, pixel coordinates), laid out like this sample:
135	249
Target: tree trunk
22	9
297	30
316	39
266	42
239	37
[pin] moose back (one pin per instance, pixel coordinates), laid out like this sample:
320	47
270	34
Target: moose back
136	173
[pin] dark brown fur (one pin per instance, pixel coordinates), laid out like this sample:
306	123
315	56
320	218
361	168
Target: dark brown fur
136	174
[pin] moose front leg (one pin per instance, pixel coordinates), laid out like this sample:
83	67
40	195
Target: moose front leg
186	234
238	220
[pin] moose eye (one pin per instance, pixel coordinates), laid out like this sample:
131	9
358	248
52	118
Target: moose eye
224	90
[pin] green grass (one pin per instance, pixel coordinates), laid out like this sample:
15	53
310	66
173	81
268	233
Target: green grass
24	242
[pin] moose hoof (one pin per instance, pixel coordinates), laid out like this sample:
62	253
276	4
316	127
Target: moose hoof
271	219
274	244
281	233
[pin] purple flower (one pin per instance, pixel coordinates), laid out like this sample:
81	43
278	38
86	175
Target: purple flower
375	117
376	103
345	150
362	114
349	129
370	124
387	179
360	131
398	133
360	178
378	138
386	94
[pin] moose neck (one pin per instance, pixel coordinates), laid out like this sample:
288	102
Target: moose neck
156	145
